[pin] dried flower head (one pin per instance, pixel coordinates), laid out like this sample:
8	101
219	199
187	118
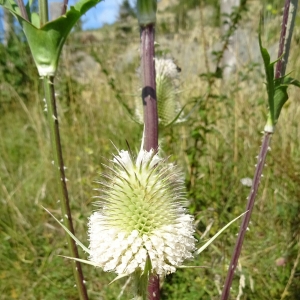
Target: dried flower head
141	217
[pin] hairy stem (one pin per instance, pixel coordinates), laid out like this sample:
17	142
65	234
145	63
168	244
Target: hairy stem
246	218
59	165
288	22
284	47
61	181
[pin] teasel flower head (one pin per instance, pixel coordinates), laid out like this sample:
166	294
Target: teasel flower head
141	222
169	109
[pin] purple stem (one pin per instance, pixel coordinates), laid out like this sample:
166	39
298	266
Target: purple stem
23	10
64	7
149	87
284	46
281	64
246	218
61	179
153	288
150	114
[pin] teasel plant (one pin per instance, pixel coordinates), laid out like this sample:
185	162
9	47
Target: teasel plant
46	39
146	14
276	85
141	228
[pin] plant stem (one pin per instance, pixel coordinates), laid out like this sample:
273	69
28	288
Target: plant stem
64	7
246	218
153	288
61	181
59	165
23	10
150	114
288	22
289	15
43	12
149	87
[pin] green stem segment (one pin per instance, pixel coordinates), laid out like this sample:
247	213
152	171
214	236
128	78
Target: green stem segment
43	12
61	180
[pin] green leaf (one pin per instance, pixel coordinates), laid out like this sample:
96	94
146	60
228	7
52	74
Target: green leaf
269	69
87	262
35	20
11	6
118	277
217	234
46	42
292	81
69	232
192	267
280	97
276	89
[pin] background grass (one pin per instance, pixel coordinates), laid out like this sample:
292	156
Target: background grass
216	148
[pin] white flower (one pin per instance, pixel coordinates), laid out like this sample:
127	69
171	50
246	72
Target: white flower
165	67
141	216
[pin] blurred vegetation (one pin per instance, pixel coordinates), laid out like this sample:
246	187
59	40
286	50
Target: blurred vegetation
216	148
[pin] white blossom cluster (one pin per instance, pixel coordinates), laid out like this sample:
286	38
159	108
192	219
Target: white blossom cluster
165	67
141	215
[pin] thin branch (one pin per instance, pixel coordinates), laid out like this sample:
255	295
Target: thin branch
246	218
61	181
23	10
